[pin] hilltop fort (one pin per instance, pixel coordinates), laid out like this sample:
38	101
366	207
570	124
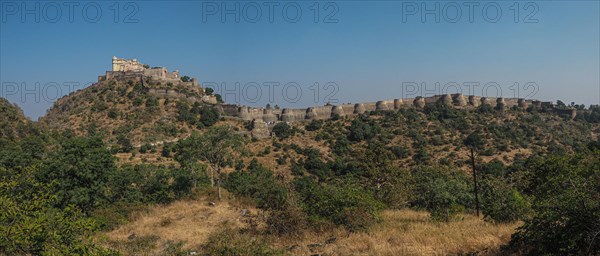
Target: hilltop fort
132	69
156	80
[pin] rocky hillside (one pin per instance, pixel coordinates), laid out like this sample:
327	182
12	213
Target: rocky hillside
129	113
149	118
432	136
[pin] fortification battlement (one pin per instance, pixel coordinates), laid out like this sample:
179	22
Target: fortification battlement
270	115
174	94
132	69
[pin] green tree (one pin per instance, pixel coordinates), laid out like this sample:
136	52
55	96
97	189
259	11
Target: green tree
81	167
31	225
219	98
209	116
501	202
125	143
219	146
440	190
359	130
314	125
475	141
259	183
283	130
112	113
566	205
343	202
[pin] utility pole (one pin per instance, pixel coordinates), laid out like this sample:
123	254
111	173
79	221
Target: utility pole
475	181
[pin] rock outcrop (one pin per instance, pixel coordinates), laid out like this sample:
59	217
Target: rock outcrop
260	129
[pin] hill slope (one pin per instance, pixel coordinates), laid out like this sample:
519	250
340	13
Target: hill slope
434	135
130	113
13	124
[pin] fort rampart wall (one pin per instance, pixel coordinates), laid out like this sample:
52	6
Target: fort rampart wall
270	115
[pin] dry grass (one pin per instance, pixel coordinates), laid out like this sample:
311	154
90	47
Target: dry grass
191	222
407	232
402	232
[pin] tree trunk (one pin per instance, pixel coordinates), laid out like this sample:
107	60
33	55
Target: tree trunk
475	181
195	175
212	178
219	182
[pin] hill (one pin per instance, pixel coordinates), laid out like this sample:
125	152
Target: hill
13	124
433	135
131	112
139	116
142	164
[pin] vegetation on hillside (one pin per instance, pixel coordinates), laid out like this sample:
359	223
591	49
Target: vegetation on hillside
13	123
64	192
128	116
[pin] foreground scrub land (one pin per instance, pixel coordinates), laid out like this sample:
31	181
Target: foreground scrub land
190	182
188	225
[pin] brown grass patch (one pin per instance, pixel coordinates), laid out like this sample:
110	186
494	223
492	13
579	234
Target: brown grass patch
191	222
408	232
402	232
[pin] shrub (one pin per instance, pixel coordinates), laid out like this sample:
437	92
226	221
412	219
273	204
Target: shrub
314	125
341	146
147	147
501	202
422	155
151	102
209	116
283	130
150	184
31	225
342	203
125	143
400	151
394	189
281	160
290	220
219	98
442	191
167	149
297	169
258	182
114	215
314	164
566	205
112	113
360	130
484	108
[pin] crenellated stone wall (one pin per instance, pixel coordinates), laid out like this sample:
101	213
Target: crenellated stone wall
328	111
168	93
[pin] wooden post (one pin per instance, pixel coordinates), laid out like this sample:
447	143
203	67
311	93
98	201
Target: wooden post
475	181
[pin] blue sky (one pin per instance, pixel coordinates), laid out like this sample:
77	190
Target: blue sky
356	51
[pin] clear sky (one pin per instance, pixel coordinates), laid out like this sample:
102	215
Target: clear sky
356	50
